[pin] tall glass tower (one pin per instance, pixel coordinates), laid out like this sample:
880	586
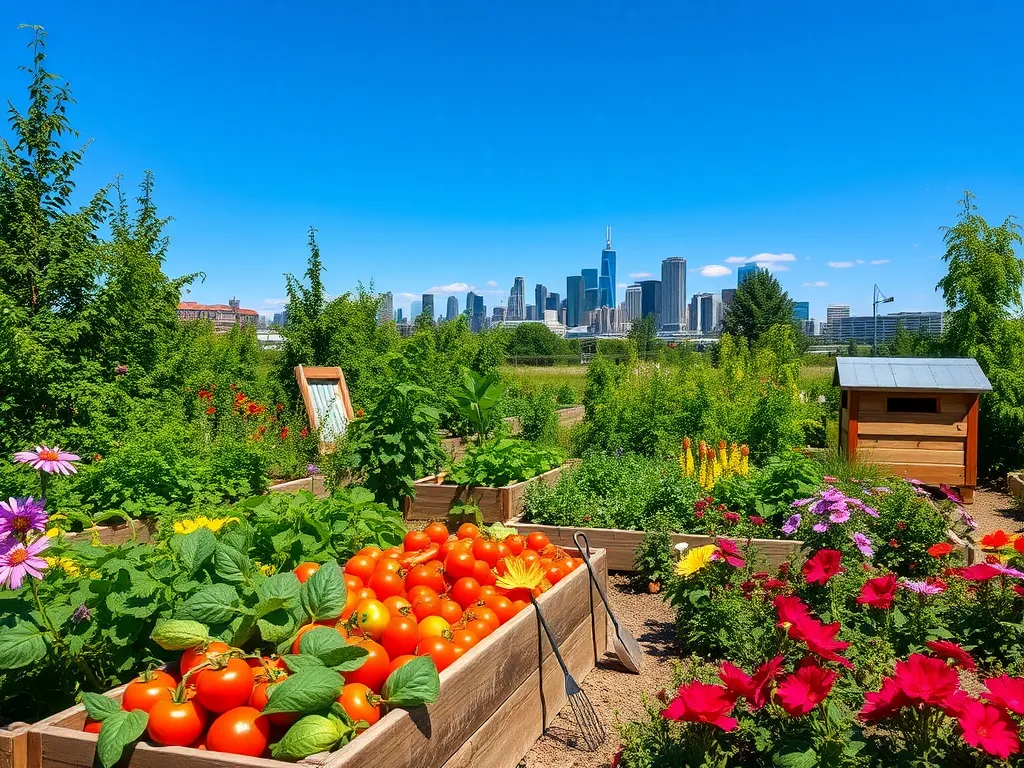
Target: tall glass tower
606	282
574	292
673	294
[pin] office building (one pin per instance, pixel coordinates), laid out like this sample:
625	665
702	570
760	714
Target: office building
591	299
540	295
631	306
386	309
280	318
861	328
531	312
727	296
470	298
223	316
650	300
479	316
673	294
710	313
746	271
801	310
554	301
574	295
832	315
606	280
398	316
414	310
453	308
500	313
517	300
428	306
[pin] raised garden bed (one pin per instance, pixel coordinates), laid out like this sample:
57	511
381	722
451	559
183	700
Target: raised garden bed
1015	484
494	702
14	746
497	505
315	484
567	417
621	544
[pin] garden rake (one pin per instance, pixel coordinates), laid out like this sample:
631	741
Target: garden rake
626	647
586	717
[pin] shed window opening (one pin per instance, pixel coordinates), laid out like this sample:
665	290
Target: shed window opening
912	405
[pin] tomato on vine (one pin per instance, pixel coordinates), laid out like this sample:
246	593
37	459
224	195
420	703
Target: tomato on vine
360	702
259	698
147	689
224	688
193	657
240	731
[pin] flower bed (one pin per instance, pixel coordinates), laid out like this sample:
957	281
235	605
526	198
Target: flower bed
435	500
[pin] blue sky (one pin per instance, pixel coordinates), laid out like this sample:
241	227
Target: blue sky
463	143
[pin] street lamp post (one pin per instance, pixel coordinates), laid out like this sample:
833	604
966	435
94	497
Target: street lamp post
874	317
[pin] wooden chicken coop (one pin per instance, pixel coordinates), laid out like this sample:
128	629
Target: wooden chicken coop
916	416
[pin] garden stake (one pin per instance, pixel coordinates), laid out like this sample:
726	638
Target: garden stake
586	716
626	646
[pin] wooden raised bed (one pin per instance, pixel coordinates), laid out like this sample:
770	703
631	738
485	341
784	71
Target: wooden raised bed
315	484
112	535
494	702
621	545
14	746
567	417
497	505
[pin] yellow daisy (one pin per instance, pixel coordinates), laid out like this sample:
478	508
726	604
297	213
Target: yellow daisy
695	559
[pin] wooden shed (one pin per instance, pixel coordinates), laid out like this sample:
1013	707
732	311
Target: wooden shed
917	416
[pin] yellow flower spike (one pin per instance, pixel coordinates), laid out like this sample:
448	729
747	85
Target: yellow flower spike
744	460
695	559
520	576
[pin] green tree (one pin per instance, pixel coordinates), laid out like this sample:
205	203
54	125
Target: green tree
644	337
759	304
906	343
536	340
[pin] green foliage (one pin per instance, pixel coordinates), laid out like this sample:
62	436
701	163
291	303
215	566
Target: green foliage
758	304
478	401
643	335
537	341
655	558
503	461
538	418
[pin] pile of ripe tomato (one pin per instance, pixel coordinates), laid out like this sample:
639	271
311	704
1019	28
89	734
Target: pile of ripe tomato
435	596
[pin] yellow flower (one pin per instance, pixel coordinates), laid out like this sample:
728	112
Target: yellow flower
52	532
267	570
734	459
212	523
66	564
695	559
519	576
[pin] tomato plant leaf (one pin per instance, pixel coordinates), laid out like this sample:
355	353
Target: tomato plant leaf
119	730
99	707
413	684
285	586
230	564
309	735
179	634
21	645
277	626
306	691
301	661
330	647
214	604
323	594
196	549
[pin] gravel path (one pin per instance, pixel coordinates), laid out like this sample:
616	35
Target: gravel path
615	693
994	508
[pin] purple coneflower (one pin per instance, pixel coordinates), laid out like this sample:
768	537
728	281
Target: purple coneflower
790	526
313	469
48	460
19	560
1007	570
19	516
82	613
922	587
820	527
863	544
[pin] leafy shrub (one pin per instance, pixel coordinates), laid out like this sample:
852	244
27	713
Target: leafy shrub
503	461
565	395
538	418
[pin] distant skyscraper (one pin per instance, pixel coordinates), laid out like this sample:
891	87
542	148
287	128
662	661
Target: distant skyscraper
428	306
540	294
574	295
453	308
589	279
531	312
606	282
710	312
832	314
650	300
398	315
693	317
470	297
517	300
673	294
280	318
591	299
414	310
631	307
801	310
554	301
479	315
727	296
746	271
386	309
499	314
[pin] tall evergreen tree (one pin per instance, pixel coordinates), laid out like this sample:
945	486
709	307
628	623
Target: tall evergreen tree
759	303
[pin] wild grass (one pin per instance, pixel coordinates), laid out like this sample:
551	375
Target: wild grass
530	378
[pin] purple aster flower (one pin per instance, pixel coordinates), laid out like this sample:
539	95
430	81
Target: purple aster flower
863	544
790	526
840	515
82	613
820	527
1007	570
966	519
19	516
313	469
121	370
19	560
801	502
48	460
922	587
871	511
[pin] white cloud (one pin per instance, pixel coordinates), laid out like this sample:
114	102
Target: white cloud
761	258
816	284
715	270
640	275
451	288
860	261
917	245
408	296
840	264
879	261
776	267
274	302
736	260
492	283
622	285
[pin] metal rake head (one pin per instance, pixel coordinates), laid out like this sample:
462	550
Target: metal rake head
586	717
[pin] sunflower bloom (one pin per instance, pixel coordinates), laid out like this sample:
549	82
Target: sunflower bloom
520	576
695	559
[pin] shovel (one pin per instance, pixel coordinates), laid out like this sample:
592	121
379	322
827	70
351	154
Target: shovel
626	646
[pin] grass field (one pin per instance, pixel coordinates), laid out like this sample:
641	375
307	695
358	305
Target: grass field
533	377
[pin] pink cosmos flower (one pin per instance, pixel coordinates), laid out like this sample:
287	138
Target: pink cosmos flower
19	516
863	544
20	560
49	460
922	587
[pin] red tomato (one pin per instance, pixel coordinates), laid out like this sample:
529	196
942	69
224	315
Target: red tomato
486	614
537	541
432	626
351	601
297	643
515	543
356	700
486	550
502	607
219	690
386	565
529	557
426	576
428	605
93	726
392	553
361	566
386	584
422	591
365	594
401	661
459	564
439	649
465	591
468	531
375	668
195	656
176	725
240	731
437	532
503	551
415	541
146	690
353	583
483	573
400	636
304	570
451	611
554	573
372	552
479	627
258	700
398	606
447	547
463	640
371	616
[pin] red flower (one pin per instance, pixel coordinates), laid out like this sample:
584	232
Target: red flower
699	702
988	728
979	572
205	394
784	568
698	514
791	611
755	520
284	433
823	566
210	411
279	407
255	409
700	504
1007	692
728	551
738	683
940	550
821	640
805	689
754	689
944	649
760	574
359	413
303	432
894	544
731	517
878	592
883	703
1018	544
995	540
901	526
771	584
926	680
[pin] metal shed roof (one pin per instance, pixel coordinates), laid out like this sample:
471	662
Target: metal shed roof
952	374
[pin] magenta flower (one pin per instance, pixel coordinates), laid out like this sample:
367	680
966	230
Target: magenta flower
1007	570
840	515
313	469
49	460
820	527
863	544
17	561
790	526
922	587
801	502
19	516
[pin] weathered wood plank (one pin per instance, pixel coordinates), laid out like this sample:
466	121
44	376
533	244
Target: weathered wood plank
935	444
909	421
971	465
915	430
929	473
909	455
434	501
14	747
